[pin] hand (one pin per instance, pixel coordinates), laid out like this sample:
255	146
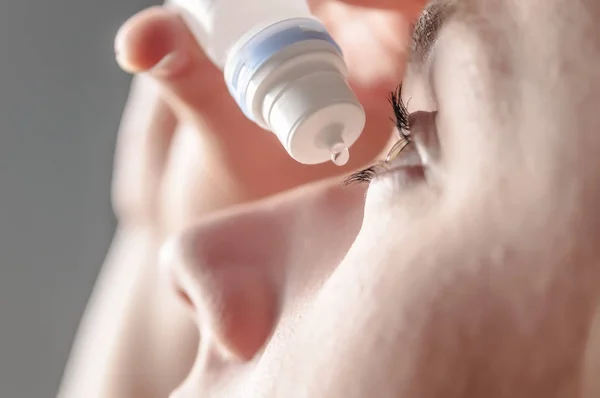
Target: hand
186	148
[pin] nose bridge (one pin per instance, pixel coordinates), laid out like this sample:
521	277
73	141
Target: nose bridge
266	233
248	237
325	227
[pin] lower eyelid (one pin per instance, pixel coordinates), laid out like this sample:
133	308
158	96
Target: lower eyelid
409	157
407	174
398	181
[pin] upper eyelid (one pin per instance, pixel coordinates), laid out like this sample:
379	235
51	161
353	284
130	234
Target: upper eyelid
420	118
413	117
425	134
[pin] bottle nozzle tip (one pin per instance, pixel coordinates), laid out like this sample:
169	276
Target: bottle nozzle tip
340	155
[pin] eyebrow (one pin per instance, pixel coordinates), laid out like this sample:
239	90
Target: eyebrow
428	26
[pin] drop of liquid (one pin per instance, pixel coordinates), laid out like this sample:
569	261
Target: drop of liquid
340	155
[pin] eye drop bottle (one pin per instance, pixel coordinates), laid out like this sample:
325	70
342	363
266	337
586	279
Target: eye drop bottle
284	70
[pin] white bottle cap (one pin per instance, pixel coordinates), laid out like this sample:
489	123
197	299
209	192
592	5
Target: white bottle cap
290	78
313	114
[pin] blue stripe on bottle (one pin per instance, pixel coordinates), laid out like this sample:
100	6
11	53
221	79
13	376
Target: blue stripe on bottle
263	46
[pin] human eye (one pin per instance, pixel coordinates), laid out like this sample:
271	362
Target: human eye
402	157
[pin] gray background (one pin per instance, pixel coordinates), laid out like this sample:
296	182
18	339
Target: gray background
61	96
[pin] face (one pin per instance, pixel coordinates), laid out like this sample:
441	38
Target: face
467	267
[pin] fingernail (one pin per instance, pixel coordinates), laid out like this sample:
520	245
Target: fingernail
119	51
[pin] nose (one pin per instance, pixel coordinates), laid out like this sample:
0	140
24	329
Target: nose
238	270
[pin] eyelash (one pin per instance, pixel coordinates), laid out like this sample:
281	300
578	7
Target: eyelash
401	120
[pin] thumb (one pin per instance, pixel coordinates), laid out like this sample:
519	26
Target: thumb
158	41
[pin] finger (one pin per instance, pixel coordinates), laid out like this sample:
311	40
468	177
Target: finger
381	4
371	33
146	131
158	41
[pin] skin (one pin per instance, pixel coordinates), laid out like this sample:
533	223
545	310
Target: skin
474	275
